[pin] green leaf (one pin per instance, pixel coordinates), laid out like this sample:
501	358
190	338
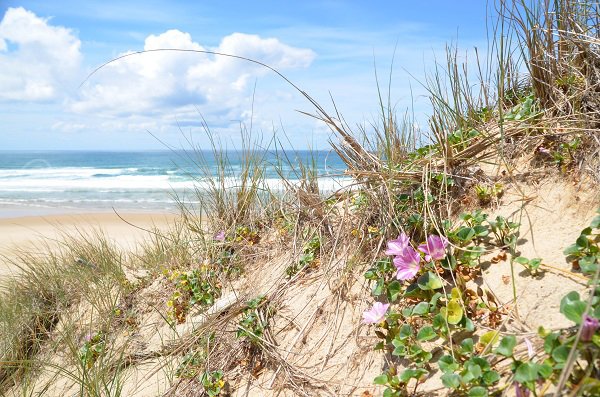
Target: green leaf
434	300
472	372
378	288
588	264
522	260
561	353
429	282
450	380
407	311
550	342
572	307
481	231
405	332
439	322
399	351
449	262
483	363
466	346
478	391
490	337
381	379
507	345
465	234
468	324
583	241
595	223
371	274
535	263
455	293
414	291
393	290
572	250
526	372
409	374
420	309
426	333
545	370
454	311
491	377
447	363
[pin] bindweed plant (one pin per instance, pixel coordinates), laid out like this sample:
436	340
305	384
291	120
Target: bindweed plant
435	311
255	320
309	257
430	314
584	254
532	265
92	349
195	287
214	383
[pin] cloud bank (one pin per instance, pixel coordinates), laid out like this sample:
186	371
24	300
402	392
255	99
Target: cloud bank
38	60
165	81
42	62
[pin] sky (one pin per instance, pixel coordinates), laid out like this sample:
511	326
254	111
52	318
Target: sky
51	100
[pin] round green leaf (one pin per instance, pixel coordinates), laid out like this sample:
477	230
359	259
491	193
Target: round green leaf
429	282
491	377
447	363
454	311
560	354
465	234
526	372
478	391
451	381
420	309
426	333
466	346
393	290
507	345
381	379
572	307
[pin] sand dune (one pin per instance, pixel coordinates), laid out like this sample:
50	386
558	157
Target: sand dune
30	233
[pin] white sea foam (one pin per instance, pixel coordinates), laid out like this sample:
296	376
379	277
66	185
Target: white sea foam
88	187
63	172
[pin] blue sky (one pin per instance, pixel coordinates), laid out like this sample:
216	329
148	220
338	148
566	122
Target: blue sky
48	48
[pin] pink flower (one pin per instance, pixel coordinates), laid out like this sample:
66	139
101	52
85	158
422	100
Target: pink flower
434	248
220	236
589	328
407	263
376	314
395	247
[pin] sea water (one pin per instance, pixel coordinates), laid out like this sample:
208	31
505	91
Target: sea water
139	181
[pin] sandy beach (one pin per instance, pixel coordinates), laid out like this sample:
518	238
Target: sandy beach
29	232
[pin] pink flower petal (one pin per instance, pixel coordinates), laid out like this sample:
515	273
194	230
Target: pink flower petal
376	314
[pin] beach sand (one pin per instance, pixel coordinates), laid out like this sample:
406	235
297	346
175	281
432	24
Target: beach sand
30	232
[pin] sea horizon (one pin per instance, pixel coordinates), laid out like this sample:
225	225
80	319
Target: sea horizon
43	182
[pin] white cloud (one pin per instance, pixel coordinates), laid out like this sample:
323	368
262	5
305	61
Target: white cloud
175	83
44	59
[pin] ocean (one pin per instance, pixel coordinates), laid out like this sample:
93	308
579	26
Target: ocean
49	181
